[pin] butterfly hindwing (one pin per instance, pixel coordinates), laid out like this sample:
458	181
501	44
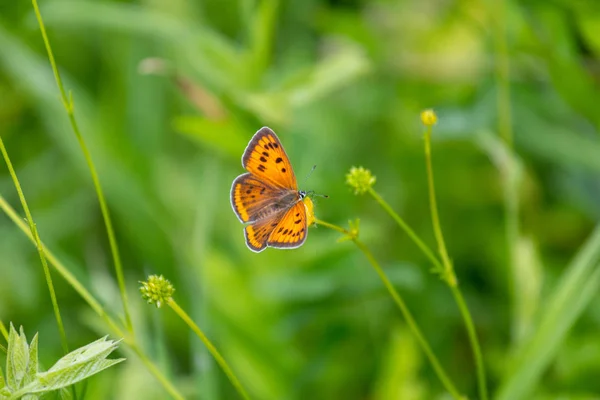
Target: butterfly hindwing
257	234
265	158
292	228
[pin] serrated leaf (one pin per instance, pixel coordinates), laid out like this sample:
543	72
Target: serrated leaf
16	358
72	368
67	376
98	349
32	364
76	366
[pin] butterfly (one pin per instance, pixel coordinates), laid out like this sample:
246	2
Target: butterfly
267	199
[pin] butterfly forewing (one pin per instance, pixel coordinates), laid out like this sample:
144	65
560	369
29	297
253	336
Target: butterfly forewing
250	196
266	159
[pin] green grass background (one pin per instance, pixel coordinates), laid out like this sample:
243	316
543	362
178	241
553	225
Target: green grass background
342	83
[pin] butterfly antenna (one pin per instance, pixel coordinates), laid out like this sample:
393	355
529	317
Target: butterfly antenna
310	173
312	193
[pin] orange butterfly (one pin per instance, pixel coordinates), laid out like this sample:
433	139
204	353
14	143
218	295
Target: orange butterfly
267	196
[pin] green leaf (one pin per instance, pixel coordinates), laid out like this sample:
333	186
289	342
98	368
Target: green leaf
576	288
32	364
16	358
76	366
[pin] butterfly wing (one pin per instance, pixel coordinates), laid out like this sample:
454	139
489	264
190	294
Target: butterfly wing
257	234
250	195
266	159
291	230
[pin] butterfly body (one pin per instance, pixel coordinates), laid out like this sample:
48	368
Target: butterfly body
267	199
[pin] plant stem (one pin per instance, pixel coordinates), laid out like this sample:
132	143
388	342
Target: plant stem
450	275
3	331
211	348
62	270
502	71
70	107
332	226
92	302
411	234
172	390
412	324
40	249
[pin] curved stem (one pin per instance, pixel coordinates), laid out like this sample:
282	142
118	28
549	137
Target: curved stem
211	348
450	276
412	324
332	226
415	238
3	331
437	227
69	107
40	249
169	387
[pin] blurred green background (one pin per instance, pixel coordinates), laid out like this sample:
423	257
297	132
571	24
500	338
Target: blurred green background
168	93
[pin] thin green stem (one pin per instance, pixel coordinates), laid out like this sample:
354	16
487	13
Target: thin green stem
70	107
3	331
468	320
498	15
62	270
211	348
450	275
407	229
332	226
88	298
412	324
36	237
172	390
